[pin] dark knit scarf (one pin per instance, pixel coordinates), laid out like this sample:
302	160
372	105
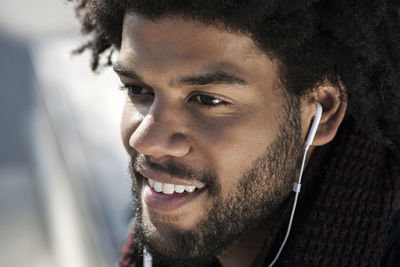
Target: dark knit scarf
348	198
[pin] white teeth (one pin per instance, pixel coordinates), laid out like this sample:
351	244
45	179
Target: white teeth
171	188
158	187
179	188
190	189
151	182
168	189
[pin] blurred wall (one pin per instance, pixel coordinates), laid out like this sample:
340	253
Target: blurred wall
64	186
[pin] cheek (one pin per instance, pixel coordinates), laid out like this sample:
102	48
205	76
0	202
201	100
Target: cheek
233	144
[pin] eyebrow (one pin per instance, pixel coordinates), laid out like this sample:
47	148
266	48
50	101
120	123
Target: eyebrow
126	72
212	77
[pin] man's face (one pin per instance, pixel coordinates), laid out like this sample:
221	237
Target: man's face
204	112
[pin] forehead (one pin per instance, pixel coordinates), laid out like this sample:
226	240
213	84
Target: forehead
177	42
185	32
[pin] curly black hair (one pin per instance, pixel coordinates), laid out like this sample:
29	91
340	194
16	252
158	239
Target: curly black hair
353	42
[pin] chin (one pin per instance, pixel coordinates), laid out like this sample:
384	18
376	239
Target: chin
164	222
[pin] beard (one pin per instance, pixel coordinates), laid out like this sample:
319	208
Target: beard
257	194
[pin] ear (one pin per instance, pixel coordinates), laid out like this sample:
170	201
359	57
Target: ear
334	106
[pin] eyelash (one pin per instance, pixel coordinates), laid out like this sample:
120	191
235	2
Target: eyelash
130	89
195	98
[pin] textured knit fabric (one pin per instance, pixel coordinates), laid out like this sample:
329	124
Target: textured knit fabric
345	208
392	246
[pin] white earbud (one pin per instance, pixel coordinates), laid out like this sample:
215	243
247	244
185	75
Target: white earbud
314	126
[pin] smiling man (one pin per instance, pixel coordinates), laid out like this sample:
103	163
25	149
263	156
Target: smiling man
220	99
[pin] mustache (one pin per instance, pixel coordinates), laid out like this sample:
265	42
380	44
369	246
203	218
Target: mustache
169	167
175	169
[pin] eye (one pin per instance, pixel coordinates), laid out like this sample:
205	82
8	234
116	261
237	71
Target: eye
136	91
207	100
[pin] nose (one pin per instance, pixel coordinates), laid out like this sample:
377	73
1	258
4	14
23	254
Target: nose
159	135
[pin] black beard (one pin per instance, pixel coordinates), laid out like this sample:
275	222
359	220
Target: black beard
248	205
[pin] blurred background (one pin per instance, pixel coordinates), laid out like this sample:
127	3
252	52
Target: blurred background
64	184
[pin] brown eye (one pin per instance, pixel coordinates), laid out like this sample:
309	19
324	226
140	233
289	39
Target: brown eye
134	91
206	100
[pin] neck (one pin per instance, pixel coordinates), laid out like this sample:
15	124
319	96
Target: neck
244	251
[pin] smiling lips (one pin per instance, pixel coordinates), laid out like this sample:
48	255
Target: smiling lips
168	195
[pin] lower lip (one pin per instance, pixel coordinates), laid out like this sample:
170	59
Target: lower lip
167	202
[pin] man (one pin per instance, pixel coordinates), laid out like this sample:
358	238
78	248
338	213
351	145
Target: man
220	99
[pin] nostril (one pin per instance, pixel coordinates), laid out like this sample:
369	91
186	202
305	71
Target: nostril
180	145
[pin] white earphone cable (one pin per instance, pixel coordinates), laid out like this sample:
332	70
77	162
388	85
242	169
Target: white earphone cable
296	188
297	185
147	258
